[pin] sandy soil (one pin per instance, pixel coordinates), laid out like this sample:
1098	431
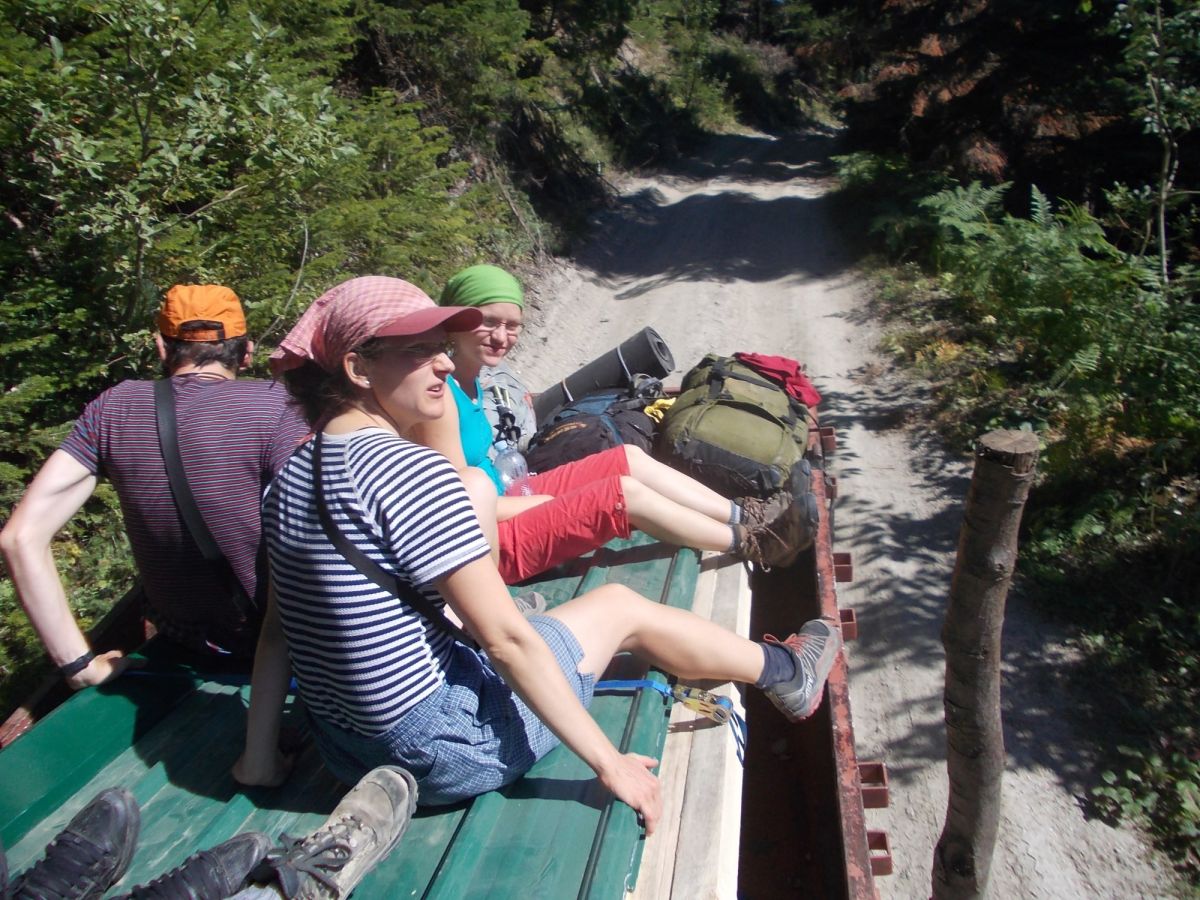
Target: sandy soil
732	250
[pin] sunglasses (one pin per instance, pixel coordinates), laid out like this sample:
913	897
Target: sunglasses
425	351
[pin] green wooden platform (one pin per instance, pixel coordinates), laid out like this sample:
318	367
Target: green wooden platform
170	735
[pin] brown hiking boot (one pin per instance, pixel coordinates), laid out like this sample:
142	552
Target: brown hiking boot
757	512
775	531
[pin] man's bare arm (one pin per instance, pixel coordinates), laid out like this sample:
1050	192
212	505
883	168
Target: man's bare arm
60	488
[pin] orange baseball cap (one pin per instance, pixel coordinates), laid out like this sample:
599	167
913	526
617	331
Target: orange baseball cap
201	312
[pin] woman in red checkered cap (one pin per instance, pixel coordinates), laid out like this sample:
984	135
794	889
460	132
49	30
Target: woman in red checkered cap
382	675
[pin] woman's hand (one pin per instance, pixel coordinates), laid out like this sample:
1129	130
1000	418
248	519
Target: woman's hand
631	780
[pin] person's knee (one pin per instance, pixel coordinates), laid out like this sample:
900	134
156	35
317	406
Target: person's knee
620	602
635	493
635	457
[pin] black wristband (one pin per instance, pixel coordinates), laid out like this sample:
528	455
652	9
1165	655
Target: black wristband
71	669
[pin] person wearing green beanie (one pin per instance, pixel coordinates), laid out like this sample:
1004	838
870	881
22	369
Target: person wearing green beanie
577	507
499	396
482	286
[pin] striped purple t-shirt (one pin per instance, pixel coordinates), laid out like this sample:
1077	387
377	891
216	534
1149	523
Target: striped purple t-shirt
233	437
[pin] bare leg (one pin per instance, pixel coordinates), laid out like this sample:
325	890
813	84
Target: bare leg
674	485
666	520
613	619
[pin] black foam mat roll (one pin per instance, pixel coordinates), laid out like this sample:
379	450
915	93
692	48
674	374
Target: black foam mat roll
646	353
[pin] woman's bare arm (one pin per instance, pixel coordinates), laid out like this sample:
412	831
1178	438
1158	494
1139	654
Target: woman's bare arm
476	593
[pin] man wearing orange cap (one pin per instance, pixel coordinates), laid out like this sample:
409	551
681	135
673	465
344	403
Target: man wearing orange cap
232	436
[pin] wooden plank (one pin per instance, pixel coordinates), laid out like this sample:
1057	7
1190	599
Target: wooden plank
172	738
49	764
658	858
706	865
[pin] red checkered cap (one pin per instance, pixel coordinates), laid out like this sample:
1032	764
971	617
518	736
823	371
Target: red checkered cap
347	316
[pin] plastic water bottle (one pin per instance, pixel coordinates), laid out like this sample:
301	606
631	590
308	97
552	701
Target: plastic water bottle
513	471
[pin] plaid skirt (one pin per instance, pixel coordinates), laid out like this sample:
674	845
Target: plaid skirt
470	736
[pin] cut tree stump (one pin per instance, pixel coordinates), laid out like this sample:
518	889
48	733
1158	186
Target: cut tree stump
1005	462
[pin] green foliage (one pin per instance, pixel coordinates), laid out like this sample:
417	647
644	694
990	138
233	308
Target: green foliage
756	81
281	146
462	60
1041	322
1157	781
141	129
887	191
1162	50
1087	325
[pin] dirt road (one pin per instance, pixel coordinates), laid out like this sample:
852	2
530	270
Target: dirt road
733	250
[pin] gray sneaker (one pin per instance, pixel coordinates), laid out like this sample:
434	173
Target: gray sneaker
364	828
815	647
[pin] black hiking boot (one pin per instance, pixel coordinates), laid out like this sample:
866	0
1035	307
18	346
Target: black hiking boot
210	874
89	855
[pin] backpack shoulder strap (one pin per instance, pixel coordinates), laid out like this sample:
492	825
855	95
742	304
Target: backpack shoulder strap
185	501
371	569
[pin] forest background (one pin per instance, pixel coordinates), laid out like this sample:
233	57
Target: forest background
1020	176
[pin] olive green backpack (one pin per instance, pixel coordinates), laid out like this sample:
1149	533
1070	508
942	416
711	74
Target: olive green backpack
733	429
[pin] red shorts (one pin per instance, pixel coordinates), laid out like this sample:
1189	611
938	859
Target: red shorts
588	511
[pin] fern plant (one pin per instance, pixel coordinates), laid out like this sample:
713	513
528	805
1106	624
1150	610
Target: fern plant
1078	315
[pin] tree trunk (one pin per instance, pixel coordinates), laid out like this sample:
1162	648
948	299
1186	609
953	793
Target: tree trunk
987	553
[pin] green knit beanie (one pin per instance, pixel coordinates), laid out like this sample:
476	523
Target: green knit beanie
481	285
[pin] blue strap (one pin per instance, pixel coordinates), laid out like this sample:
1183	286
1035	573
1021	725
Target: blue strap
633	685
683	694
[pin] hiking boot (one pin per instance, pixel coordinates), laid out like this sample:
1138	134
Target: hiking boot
757	512
210	874
362	830
815	648
87	856
530	603
800	486
776	530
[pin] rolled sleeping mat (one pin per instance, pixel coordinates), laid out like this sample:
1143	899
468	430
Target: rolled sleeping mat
646	353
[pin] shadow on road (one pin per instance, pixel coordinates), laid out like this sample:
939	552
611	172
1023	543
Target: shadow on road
729	214
775	238
749	158
646	240
1048	723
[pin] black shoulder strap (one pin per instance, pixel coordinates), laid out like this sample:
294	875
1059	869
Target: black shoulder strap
371	569
168	442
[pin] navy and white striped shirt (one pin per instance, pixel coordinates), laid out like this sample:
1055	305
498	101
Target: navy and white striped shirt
362	657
